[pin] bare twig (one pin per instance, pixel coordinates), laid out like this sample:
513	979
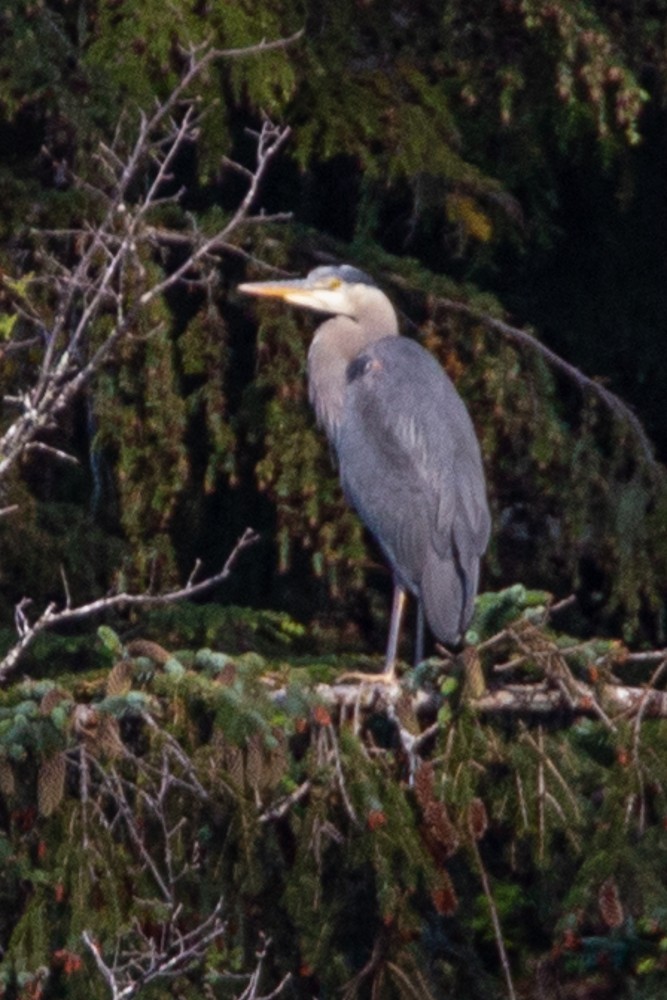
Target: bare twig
147	794
110	251
342	788
47	449
281	808
130	973
52	617
250	993
636	741
649	656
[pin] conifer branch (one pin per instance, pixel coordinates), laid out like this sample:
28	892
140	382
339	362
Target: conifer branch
138	798
493	912
613	402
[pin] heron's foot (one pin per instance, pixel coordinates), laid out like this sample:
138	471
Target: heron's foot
388	676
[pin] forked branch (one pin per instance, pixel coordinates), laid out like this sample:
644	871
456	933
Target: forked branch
52	616
110	253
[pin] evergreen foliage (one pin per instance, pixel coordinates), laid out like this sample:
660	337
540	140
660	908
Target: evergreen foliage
138	797
192	789
447	127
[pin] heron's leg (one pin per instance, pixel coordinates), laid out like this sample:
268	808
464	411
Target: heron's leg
397	609
388	675
419	640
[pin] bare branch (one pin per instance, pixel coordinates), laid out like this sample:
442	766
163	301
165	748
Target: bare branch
109	251
281	808
544	700
259	48
493	912
130	973
175	943
51	617
271	139
47	449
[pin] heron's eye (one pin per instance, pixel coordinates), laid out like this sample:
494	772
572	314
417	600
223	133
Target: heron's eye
334	283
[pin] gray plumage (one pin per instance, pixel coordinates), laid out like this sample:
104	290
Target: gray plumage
422	491
408	455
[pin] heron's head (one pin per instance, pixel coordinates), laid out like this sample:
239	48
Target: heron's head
340	291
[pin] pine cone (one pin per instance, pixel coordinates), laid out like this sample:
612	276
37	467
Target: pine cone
610	904
51	784
444	896
440	827
425	784
478	819
120	676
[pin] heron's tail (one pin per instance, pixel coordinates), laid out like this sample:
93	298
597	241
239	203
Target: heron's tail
448	594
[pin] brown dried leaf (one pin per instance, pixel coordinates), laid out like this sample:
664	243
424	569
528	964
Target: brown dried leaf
406	714
227	675
440	827
233	758
255	761
278	760
109	742
474	681
51	699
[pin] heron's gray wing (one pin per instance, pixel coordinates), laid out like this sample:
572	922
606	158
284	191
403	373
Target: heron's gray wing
410	465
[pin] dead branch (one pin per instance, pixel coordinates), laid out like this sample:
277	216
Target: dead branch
109	252
140	958
559	692
131	971
51	617
543	700
123	800
281	808
250	993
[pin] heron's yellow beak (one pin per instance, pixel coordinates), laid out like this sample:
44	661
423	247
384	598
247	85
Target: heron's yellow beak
270	289
318	294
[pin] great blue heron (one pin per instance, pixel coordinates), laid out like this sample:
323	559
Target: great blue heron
407	452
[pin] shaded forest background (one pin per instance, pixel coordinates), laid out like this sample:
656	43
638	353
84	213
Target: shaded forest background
498	168
509	158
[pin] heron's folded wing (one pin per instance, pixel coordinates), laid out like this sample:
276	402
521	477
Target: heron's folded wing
409	458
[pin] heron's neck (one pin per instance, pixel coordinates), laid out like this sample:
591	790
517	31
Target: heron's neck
337	342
